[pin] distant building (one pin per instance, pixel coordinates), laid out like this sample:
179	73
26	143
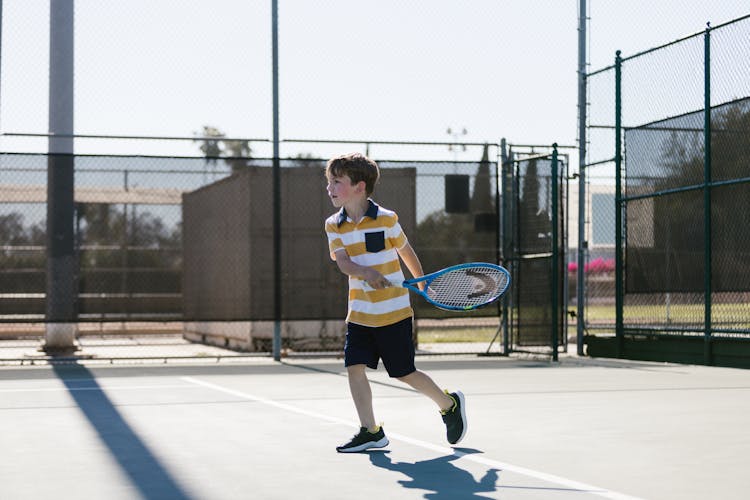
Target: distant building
600	218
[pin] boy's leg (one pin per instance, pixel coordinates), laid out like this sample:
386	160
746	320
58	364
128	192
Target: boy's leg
397	351
424	384
361	392
369	435
452	406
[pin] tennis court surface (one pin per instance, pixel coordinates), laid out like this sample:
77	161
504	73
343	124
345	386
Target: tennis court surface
253	428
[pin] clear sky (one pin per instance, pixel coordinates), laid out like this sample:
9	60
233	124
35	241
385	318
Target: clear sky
349	69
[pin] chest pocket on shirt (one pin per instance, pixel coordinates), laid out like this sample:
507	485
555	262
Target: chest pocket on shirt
375	242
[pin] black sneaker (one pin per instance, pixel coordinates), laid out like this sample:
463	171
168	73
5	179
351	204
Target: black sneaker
364	440
455	418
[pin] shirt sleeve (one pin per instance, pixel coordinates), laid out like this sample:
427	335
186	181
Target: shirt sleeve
396	235
334	240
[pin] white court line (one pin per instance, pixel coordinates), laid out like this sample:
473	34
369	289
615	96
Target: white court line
568	483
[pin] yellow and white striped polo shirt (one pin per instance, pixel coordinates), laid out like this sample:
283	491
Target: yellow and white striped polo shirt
372	242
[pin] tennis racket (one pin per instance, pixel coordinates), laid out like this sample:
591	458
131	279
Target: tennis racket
463	287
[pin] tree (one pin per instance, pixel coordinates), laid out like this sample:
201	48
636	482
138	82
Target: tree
677	224
12	231
238	152
211	143
306	160
482	199
98	221
21	267
534	222
214	144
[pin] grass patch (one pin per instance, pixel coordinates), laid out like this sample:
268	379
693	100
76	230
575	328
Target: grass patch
461	334
724	314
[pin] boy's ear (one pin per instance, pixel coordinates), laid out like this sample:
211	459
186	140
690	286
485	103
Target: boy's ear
361	186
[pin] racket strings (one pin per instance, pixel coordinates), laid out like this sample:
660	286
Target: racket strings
467	287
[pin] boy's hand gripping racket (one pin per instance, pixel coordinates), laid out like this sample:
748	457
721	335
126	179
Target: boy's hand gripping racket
462	287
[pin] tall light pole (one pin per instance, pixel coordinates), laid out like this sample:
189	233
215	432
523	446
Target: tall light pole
454	147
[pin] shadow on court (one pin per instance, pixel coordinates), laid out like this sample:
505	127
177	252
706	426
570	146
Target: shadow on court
444	481
140	465
439	475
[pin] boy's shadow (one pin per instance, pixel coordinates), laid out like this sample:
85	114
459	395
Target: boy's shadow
439	476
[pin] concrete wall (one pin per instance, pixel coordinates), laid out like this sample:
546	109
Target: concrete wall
228	257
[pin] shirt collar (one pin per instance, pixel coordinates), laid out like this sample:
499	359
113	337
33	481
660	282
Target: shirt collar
371	212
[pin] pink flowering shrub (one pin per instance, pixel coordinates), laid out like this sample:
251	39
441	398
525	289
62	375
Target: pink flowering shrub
598	265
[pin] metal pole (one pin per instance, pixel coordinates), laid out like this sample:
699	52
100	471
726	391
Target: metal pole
61	262
276	186
582	243
707	196
1	48
505	236
618	208
555	257
498	235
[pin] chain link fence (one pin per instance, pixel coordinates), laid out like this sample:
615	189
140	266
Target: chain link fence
677	170
179	245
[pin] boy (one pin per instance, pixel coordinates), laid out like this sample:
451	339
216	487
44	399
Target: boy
366	242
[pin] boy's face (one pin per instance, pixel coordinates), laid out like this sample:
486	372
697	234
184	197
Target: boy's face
342	191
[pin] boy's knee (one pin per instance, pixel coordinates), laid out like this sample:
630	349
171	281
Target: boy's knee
406	378
356	369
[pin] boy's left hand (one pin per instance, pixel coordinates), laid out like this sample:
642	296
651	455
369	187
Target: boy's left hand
381	282
377	280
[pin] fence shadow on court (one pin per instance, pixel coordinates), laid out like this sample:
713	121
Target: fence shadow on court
147	474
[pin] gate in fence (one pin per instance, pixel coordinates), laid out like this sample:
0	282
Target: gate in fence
535	188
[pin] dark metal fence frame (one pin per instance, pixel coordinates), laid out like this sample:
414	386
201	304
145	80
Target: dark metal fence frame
513	315
623	331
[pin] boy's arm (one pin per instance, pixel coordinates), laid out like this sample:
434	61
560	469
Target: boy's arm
409	256
350	268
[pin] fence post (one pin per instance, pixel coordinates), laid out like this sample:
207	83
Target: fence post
506	198
277	295
61	286
555	257
582	112
618	207
707	179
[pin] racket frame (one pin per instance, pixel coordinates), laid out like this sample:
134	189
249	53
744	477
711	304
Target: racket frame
412	284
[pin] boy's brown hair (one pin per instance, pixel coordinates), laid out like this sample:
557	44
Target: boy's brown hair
357	167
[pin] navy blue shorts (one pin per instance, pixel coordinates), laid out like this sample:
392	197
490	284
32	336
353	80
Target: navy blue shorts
366	345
